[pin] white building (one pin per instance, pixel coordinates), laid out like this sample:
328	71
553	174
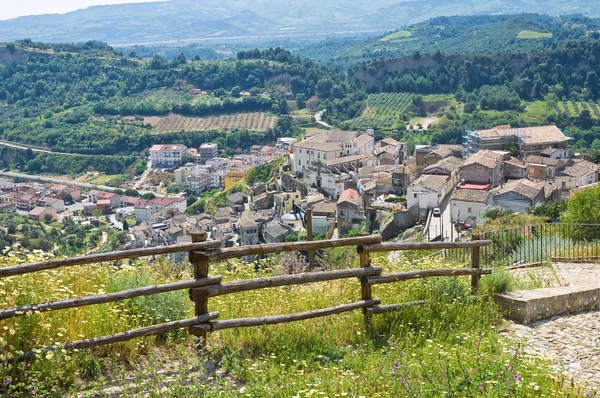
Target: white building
468	204
167	156
577	174
328	145
195	177
428	191
144	211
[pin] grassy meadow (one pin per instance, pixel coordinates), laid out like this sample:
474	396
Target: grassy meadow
449	346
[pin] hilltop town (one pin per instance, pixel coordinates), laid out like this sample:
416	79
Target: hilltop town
345	181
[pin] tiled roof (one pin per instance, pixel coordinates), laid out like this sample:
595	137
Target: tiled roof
326	140
485	158
247	220
343	160
579	169
431	181
470	195
164	201
528	135
543	160
523	187
349	195
324	208
156	148
448	165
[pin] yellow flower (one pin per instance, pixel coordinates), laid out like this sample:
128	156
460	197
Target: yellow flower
49	354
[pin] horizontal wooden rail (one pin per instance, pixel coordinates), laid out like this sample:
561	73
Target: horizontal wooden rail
380	309
276	281
99	258
107	298
398	246
404	276
251	250
125	336
271	320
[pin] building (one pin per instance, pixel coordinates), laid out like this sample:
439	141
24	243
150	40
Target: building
520	195
528	140
248	229
349	211
167	156
326	145
61	191
514	168
43	214
104	205
197	178
274	232
428	191
7	207
145	210
427	155
576	174
391	152
207	152
323	216
55	203
94	196
484	167
235	175
467	205
22	201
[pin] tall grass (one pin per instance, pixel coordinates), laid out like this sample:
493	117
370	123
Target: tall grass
331	356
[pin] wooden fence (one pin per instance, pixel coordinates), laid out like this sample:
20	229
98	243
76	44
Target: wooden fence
202	253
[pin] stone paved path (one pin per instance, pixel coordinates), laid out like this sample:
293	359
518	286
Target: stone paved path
571	342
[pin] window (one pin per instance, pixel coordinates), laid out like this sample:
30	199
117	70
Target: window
469	210
564	184
325	156
415	195
318	155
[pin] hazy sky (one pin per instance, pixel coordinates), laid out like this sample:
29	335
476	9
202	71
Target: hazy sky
17	8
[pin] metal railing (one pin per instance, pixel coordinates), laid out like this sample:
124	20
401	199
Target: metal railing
541	243
203	286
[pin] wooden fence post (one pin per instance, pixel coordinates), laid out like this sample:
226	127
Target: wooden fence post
309	237
200	271
365	290
475	262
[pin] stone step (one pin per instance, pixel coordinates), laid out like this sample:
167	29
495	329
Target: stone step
526	306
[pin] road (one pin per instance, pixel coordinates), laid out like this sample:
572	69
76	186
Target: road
42	150
67	182
318	117
142	179
442	224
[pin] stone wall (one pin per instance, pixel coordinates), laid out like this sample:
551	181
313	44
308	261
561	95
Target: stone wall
289	183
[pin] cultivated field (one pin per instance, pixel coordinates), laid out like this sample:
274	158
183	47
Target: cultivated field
401	34
255	121
382	111
574	108
529	34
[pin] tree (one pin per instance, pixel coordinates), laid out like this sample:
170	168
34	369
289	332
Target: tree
47	218
236	91
132	193
255	91
301	100
148	196
10	47
68	198
125	225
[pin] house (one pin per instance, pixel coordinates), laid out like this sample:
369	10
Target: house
235	175
391	152
515	168
61	191
7	207
541	168
428	191
166	156
255	149
426	155
275	232
55	203
248	229
520	195
449	166
43	214
324	145
262	201
577	173
323	216
145	210
23	201
104	206
267	151
467	205
349	211
94	196
174	203
528	140
88	209
484	167
236	201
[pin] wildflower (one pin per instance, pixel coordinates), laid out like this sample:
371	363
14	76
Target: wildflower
517	378
6	382
49	354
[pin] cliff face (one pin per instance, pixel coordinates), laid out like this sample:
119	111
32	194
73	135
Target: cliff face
8	57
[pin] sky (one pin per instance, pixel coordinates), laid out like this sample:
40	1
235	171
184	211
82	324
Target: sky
13	9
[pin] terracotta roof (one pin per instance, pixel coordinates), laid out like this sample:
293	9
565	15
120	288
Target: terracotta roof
247	219
390	141
447	165
156	148
528	135
349	195
433	182
326	140
548	151
485	158
343	160
523	187
445	150
470	195
166	201
37	211
543	160
579	169
324	208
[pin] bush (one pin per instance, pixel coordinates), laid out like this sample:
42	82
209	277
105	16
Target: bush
497	282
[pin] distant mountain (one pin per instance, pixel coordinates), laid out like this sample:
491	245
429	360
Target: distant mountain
213	19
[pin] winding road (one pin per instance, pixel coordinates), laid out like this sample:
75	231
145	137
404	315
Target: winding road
42	150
